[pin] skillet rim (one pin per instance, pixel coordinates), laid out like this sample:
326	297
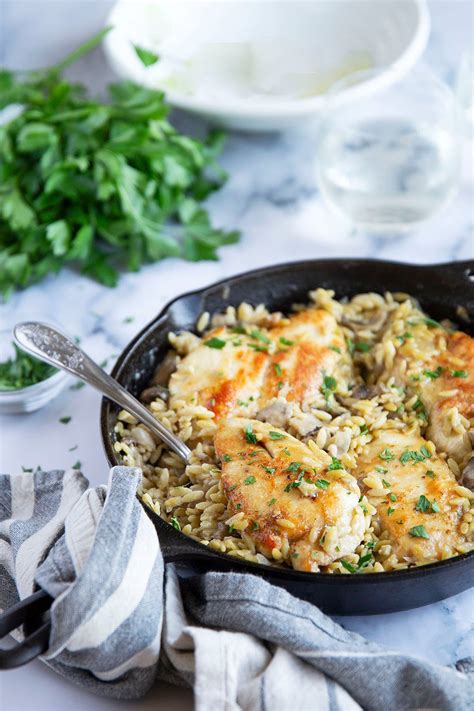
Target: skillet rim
463	267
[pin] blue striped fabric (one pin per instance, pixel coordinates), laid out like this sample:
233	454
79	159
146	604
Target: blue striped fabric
119	622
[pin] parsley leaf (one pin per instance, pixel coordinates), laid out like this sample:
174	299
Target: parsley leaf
418	532
276	435
175	523
146	57
386	455
335	464
250	435
458	374
215	343
249	480
286	341
22	370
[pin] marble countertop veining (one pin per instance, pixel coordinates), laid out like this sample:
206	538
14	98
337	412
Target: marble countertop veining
272	197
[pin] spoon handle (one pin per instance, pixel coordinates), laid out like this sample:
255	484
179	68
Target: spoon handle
48	344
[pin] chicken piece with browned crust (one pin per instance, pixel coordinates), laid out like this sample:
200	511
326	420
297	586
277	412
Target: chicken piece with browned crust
294	502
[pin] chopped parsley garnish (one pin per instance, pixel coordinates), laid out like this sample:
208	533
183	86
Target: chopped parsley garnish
423	504
227	458
322	483
292	485
335	349
175	523
277	369
363	429
242	403
381	470
386	484
418	532
65	420
433	374
430	473
259	336
254	526
277	435
329	386
404	337
392	497
426	506
295	555
238	329
215	343
390	511
350	345
362	563
258	348
386	455
458	374
250	435
279	385
420	409
286	341
249	480
293	467
270	470
414	456
335	464
272	501
362	346
23	370
431	323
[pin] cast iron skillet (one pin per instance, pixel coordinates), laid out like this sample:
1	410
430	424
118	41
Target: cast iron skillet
440	289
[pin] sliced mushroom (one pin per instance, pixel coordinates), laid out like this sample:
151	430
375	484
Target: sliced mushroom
373	321
164	370
467	477
276	412
153	392
364	392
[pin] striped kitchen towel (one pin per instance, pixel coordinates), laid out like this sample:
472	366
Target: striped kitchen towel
119	620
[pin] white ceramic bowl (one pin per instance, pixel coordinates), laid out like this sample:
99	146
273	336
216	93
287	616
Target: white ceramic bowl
264	64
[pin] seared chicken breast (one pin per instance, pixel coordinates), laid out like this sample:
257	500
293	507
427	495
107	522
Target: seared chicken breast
438	366
239	371
419	503
294	502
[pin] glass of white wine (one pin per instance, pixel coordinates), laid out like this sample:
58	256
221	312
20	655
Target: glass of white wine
391	160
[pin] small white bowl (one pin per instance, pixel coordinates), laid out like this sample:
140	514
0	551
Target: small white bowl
264	64
31	398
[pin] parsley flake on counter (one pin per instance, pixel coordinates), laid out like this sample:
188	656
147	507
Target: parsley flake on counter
77	465
65	420
418	532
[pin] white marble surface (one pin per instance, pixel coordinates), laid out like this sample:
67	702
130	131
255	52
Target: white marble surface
272	197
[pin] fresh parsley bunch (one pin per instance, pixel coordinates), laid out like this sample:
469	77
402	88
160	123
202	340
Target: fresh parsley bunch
98	184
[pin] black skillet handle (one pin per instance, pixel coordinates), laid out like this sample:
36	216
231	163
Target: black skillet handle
30	612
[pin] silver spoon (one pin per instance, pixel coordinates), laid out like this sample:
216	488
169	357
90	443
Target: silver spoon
48	344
